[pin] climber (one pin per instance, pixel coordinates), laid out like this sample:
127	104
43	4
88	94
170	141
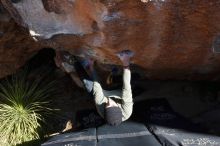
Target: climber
114	106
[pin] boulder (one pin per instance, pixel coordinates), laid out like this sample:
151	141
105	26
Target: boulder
171	39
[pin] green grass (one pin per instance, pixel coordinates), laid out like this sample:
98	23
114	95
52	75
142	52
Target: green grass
24	104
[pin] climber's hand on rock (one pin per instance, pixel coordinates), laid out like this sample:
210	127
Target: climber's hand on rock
57	59
91	63
67	67
64	66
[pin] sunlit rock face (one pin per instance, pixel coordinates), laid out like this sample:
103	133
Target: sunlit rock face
171	39
46	18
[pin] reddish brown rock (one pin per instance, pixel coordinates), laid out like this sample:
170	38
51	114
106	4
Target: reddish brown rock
171	39
16	46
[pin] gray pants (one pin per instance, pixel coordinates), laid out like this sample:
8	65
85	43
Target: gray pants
125	95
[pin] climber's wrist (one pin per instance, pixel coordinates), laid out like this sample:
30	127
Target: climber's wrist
126	66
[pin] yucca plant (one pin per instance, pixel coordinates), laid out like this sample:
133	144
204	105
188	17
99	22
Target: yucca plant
23	105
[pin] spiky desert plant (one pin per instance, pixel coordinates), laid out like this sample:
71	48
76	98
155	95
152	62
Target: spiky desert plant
23	106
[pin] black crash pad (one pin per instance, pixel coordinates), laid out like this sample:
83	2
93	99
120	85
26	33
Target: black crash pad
178	137
170	128
83	138
126	134
159	112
